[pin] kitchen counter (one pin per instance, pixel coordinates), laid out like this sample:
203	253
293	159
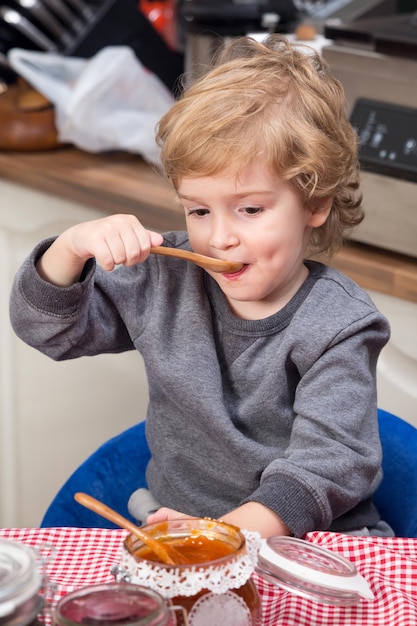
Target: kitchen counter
115	182
379	270
121	182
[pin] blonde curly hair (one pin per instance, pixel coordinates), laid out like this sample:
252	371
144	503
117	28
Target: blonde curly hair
275	102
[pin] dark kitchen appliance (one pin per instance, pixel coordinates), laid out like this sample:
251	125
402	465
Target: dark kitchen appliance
82	28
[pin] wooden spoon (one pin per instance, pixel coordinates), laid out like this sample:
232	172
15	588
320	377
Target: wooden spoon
206	262
166	554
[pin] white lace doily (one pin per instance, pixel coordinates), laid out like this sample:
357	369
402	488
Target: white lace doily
171	581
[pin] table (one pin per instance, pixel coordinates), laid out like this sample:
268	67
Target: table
84	556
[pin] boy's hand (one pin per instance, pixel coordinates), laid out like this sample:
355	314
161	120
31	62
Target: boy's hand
113	240
164	514
250	516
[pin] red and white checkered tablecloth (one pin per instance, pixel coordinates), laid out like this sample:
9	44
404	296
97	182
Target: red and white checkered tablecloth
84	556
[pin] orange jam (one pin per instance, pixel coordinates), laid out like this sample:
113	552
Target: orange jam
194	549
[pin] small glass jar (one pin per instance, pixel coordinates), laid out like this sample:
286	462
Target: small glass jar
23	583
115	604
215	585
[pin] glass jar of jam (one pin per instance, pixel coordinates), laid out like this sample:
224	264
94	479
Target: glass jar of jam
214	585
114	604
23	583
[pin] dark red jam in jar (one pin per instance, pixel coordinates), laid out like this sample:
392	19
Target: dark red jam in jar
214	585
113	604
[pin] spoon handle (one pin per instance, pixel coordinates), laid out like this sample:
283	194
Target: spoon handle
104	511
215	265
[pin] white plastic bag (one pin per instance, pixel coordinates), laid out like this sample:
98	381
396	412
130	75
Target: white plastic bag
108	102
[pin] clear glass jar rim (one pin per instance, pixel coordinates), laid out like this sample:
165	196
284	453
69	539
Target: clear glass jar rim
182	527
96	600
20	578
218	576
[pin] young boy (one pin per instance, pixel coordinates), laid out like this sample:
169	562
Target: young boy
263	406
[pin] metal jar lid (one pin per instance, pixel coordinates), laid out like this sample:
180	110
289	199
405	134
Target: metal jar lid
310	571
20	578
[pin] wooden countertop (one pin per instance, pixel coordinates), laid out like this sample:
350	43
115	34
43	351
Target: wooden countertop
115	182
123	183
379	270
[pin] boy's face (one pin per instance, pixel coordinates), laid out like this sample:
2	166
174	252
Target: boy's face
255	219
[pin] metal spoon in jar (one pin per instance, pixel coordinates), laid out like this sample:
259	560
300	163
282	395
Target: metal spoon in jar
206	262
166	554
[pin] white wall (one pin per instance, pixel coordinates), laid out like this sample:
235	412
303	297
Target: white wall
52	415
397	366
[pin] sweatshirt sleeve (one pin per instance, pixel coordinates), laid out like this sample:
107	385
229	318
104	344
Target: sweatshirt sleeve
65	322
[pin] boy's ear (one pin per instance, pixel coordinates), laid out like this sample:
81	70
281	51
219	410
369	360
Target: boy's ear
319	212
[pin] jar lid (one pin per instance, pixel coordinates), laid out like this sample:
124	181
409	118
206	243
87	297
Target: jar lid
20	578
311	571
119	604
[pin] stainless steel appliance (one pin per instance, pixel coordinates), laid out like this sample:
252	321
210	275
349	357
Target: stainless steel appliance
376	61
208	25
211	24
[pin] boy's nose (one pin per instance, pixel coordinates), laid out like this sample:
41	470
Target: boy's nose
223	236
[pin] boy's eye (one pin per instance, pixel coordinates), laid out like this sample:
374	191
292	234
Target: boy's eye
252	210
198	212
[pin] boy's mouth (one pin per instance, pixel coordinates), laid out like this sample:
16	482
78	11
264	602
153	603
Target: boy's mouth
237	273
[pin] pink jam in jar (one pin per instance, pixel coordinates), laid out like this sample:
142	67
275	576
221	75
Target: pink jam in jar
113	604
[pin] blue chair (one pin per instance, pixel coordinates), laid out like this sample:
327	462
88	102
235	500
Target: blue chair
396	497
110	474
118	467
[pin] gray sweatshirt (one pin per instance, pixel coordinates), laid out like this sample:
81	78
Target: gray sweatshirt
282	410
